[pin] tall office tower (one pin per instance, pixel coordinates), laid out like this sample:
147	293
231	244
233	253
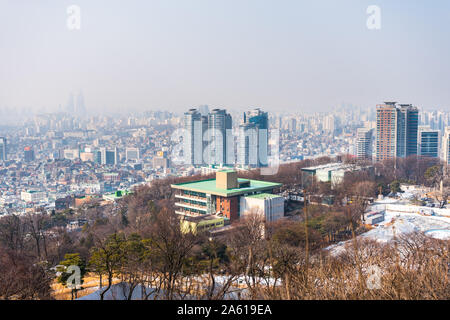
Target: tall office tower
248	145
219	148
204	110
407	127
428	142
28	154
254	139
108	157
70	106
292	125
446	146
132	154
102	155
329	123
97	156
396	131
386	136
80	108
195	126
116	156
3	154
364	143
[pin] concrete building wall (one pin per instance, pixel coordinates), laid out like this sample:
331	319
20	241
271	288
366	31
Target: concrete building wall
272	208
226	180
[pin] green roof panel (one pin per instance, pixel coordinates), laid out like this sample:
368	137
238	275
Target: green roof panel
209	187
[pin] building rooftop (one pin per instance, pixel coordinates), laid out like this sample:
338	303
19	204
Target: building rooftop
203	218
263	196
209	186
330	166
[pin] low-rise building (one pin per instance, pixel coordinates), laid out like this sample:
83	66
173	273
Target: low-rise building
115	195
333	173
32	196
372	218
269	206
220	196
201	223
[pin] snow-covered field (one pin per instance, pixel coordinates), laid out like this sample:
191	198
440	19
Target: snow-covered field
400	223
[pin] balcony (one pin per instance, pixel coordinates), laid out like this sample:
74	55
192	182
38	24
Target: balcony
191	206
185	212
190	197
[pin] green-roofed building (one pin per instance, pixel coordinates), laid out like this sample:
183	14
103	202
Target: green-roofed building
116	195
220	196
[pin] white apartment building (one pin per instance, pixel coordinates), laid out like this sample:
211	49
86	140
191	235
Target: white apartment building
32	196
446	146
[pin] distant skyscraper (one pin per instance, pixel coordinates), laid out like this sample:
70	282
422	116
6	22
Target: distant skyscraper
254	139
386	137
204	110
195	126
3	153
329	123
108	157
446	146
428	142
407	127
396	134
248	145
80	108
292	125
218	151
364	143
102	155
97	156
116	156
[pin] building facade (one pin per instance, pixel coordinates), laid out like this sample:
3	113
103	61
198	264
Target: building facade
3	153
195	125
407	128
446	146
253	139
428	142
269	206
396	132
28	154
220	142
364	143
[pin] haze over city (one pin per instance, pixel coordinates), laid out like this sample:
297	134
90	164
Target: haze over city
165	54
231	156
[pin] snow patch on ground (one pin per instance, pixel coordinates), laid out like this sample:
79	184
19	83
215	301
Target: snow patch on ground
439	234
400	223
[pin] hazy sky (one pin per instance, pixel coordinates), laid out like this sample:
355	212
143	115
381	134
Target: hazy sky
174	54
